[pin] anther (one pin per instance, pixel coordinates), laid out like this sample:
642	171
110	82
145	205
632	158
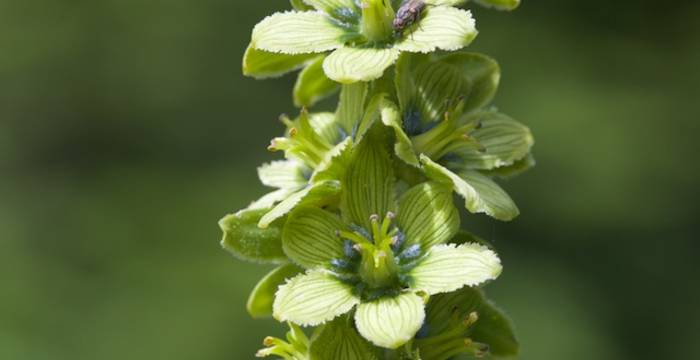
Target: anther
269	341
293	132
390	215
374	218
471	319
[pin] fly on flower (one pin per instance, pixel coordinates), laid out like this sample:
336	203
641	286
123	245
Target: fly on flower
408	14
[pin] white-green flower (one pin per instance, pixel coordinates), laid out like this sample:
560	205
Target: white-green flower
315	149
442	126
360	36
382	268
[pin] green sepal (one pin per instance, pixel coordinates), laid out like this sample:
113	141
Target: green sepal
390	322
262	64
504	140
313	85
320	193
260	301
427	215
480	193
309	237
500	4
446	314
245	240
338	340
368	186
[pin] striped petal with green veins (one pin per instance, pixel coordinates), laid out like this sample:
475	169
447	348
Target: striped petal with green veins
349	65
442	27
313	298
428	216
310	238
297	33
314	194
338	340
263	295
390	322
447	268
481	194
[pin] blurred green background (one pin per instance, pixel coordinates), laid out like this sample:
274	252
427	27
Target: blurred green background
127	131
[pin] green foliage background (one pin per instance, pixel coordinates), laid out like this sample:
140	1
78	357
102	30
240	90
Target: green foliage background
127	131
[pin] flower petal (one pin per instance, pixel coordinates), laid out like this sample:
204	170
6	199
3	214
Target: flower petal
427	215
443	27
261	298
506	141
351	105
297	33
368	187
313	298
283	174
341	9
335	163
313	85
313	194
262	64
246	241
390	322
349	65
403	147
309	237
339	340
449	267
480	193
445	2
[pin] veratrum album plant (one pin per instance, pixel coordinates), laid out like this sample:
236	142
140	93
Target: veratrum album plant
362	223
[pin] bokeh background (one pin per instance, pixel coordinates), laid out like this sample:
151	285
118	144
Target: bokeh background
127	131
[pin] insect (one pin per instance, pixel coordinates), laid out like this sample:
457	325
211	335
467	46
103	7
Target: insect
407	15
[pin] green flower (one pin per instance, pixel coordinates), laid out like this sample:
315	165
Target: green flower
384	267
442	125
465	322
359	36
315	149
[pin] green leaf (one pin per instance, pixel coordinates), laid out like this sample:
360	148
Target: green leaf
348	65
315	194
403	147
283	174
351	105
506	141
313	298
493	327
516	169
338	340
442	27
500	4
262	64
309	237
427	215
480	193
246	241
297	33
313	85
368	188
260	300
391	321
449	267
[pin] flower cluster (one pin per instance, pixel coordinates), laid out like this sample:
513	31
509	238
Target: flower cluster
362	221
